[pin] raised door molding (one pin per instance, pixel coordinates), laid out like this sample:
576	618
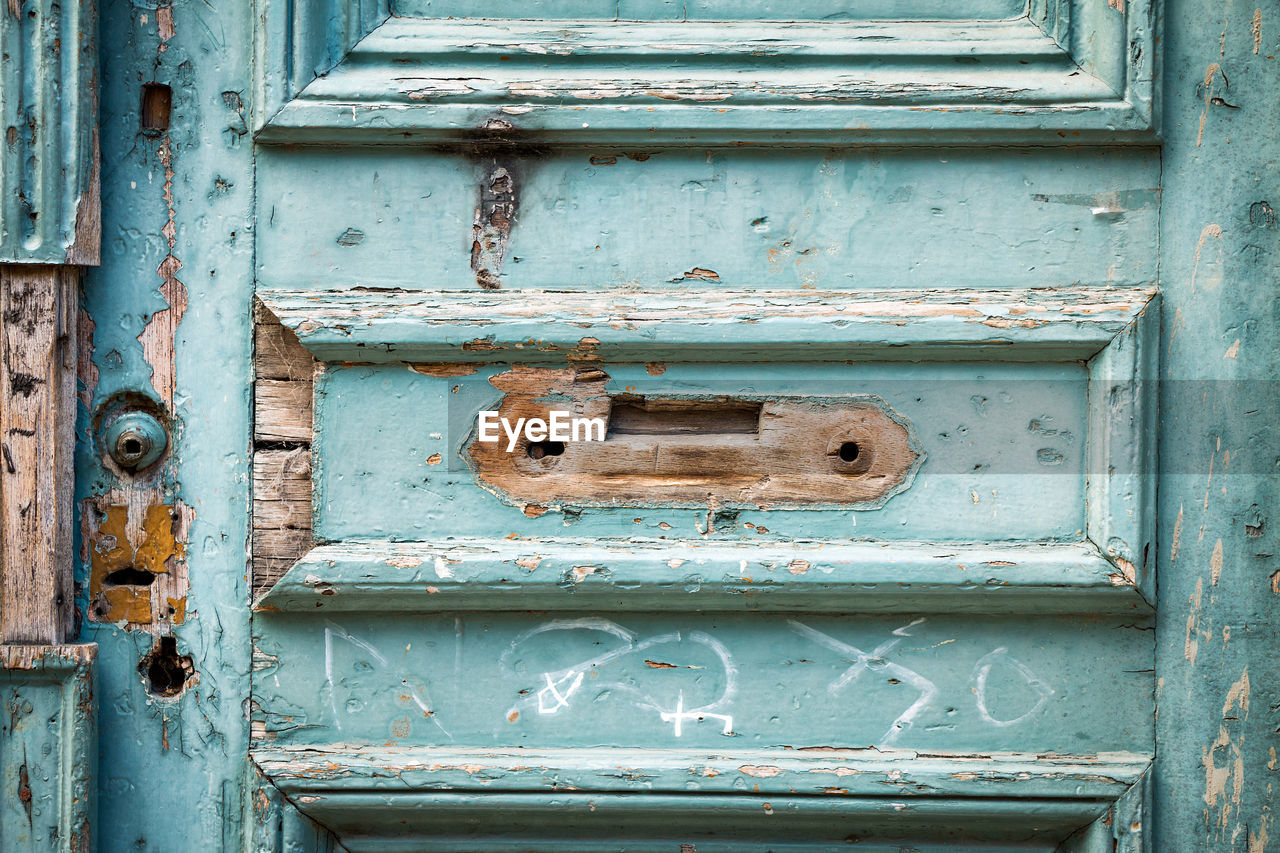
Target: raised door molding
1060	72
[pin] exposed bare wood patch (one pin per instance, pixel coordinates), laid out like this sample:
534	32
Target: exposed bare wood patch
495	216
157	336
38	307
283	389
765	452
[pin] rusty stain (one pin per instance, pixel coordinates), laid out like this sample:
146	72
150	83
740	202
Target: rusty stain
434	459
655	368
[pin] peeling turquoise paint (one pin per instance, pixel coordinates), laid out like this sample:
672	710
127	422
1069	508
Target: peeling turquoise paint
426	660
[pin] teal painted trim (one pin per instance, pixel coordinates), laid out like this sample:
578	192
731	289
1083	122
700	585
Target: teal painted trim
857	772
423	79
661	575
48	120
48	748
658	823
1124	828
297	40
1121	487
376	325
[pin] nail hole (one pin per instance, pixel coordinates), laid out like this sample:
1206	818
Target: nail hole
166	672
849	451
541	449
130	576
157	101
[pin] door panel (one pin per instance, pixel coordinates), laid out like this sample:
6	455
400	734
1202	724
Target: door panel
450	634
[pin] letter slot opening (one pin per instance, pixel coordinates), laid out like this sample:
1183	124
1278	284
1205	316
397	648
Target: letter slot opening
640	416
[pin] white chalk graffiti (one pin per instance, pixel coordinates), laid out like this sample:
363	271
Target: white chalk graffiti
982	671
561	685
862	661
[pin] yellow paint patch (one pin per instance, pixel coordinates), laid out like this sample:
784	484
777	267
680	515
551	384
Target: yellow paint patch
134	550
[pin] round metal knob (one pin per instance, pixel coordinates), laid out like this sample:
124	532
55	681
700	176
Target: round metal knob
135	440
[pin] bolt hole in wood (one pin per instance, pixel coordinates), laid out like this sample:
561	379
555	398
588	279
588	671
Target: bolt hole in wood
543	449
849	451
157	104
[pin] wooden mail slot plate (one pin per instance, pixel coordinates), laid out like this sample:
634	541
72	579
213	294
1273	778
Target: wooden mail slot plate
669	450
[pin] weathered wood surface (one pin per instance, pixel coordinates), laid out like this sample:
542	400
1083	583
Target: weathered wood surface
283	392
790	453
38	314
737	325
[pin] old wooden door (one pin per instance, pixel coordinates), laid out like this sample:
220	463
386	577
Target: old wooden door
930	348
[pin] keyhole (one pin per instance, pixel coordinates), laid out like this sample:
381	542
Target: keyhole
541	449
849	451
132	447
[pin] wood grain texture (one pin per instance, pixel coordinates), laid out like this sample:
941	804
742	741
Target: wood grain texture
676	451
380	325
283	391
38	305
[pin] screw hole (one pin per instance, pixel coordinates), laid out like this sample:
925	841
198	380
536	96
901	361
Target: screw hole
849	451
542	449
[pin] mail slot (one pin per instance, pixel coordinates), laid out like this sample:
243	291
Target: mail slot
745	450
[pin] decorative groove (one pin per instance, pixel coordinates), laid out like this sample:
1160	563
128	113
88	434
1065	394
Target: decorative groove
1064	69
48	132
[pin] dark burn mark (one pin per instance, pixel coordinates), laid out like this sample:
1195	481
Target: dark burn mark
24	384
